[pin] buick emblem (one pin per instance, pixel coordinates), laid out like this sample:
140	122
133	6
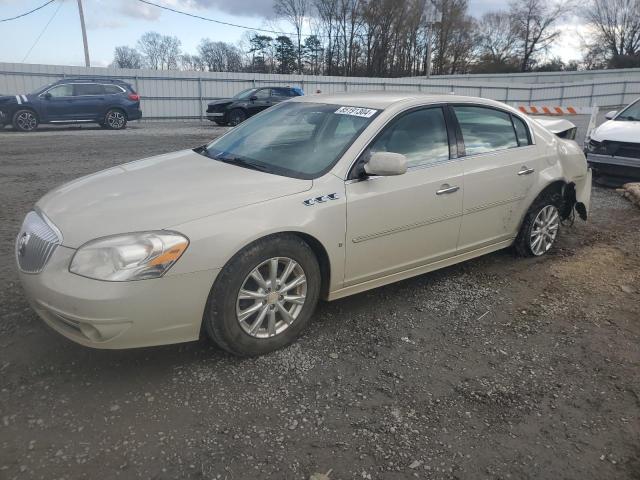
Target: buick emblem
22	244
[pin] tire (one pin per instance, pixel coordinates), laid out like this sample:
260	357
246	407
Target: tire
543	216
258	334
236	116
25	120
115	119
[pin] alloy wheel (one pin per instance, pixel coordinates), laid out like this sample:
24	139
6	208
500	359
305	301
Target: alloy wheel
115	119
271	297
27	121
544	230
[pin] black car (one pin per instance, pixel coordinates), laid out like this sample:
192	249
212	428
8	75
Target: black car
108	102
235	110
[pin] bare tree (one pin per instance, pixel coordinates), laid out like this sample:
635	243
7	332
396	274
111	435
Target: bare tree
616	24
294	11
534	22
161	52
220	56
150	44
191	62
126	57
496	37
170	52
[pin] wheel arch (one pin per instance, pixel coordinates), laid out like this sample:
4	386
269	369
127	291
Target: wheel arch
26	107
558	186
316	246
116	107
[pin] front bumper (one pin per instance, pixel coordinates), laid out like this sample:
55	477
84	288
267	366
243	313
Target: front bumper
118	314
215	116
596	159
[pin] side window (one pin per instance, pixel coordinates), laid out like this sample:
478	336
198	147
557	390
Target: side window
83	89
280	92
485	129
420	135
64	90
111	89
522	131
263	93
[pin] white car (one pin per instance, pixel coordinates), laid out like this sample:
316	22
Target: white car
316	198
614	147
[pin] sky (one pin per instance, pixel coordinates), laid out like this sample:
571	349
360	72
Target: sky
111	23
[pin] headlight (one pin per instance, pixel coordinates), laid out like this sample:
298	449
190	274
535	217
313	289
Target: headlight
133	256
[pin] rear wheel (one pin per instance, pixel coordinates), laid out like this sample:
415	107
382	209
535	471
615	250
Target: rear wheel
541	226
264	296
25	120
115	119
237	116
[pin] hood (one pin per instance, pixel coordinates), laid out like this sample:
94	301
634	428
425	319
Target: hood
156	193
221	102
4	99
617	131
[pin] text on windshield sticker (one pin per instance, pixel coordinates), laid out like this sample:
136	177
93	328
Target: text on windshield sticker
356	111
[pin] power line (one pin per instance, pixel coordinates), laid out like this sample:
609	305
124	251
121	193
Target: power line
27	13
221	22
44	30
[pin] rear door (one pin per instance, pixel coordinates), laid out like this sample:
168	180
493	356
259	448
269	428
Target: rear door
500	166
90	101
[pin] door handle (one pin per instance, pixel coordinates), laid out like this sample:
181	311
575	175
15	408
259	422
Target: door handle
447	189
526	170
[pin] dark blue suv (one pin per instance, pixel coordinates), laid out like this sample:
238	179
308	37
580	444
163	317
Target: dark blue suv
110	103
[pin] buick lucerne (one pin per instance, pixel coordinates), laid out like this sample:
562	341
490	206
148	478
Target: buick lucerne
318	197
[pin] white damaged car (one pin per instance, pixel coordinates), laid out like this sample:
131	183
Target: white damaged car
319	197
613	148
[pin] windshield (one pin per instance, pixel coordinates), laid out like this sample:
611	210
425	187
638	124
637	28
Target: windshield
631	113
41	89
244	94
295	139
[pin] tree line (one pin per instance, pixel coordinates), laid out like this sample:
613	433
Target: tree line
394	38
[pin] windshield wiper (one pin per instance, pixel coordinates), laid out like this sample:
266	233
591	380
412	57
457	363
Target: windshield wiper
241	162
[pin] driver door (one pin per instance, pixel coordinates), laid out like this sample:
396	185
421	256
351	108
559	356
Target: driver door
260	100
59	102
406	221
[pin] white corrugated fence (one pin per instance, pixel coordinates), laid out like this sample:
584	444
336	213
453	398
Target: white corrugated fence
184	95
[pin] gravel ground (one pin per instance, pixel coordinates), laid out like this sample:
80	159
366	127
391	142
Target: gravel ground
497	368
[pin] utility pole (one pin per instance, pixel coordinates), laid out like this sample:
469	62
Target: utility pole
84	35
433	18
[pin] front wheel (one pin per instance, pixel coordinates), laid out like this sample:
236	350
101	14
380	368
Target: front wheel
25	121
237	116
540	228
114	120
264	297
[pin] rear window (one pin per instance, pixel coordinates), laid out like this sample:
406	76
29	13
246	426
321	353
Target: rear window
111	89
485	130
88	89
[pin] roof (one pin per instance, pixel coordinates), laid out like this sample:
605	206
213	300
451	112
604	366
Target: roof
91	79
382	100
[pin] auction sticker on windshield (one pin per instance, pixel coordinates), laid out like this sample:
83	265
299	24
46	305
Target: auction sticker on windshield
356	111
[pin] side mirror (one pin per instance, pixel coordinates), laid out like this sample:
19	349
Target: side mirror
386	164
47	96
610	115
253	98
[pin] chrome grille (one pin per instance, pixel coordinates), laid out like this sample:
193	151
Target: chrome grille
36	242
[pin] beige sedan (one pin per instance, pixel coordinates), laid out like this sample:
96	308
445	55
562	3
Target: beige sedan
317	197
